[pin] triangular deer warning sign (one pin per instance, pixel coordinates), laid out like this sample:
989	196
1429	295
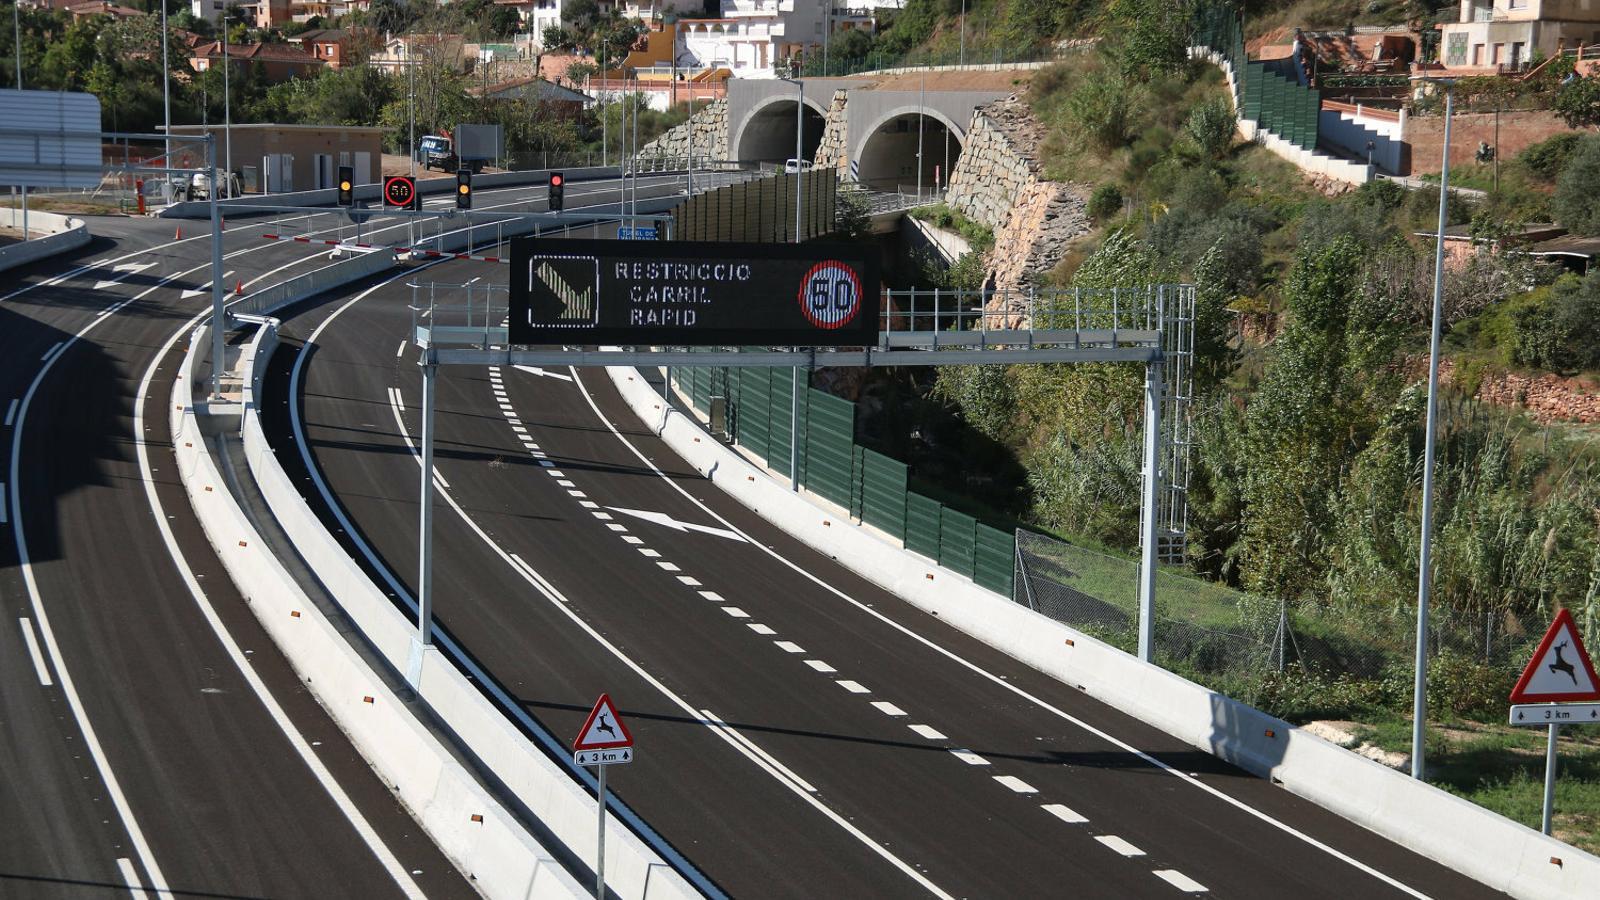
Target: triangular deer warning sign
603	730
1560	671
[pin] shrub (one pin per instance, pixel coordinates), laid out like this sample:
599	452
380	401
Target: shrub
1105	202
1210	127
1099	110
1547	158
1557	327
1577	200
1578	102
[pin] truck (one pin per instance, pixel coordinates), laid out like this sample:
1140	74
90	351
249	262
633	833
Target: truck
440	151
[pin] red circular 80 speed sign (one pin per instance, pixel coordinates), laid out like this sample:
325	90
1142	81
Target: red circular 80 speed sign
830	294
398	190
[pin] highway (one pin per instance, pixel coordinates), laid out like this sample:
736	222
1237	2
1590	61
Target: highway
151	735
800	732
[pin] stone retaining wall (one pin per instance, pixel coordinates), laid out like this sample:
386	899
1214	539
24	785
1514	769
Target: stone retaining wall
709	128
999	183
834	151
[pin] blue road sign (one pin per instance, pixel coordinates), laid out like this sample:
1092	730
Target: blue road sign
641	233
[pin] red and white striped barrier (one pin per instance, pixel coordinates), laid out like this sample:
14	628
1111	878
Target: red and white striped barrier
419	251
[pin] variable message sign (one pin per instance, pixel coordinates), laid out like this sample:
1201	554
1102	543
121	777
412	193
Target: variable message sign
693	293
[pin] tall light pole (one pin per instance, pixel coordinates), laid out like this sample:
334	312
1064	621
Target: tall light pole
16	24
962	59
166	89
794	395
1419	700
227	108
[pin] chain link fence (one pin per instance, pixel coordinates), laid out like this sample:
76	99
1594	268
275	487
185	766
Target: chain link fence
1233	641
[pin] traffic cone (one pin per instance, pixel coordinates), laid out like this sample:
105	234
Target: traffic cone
224	221
177	234
239	288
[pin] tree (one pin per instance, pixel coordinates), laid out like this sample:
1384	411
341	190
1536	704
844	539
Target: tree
1210	127
1153	35
1578	102
1577	197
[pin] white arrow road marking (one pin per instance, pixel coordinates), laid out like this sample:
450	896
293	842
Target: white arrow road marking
126	269
535	370
674	524
203	289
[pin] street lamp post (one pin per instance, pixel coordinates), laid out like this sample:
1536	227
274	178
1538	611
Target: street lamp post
16	23
1419	711
227	109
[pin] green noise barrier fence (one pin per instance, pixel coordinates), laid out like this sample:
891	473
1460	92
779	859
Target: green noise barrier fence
761	403
1274	101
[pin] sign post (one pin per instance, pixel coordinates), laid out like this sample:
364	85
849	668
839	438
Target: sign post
1558	686
603	741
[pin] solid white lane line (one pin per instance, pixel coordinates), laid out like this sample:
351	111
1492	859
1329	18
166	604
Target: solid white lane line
928	731
4	518
762	757
820	666
735	611
760	629
887	708
1016	784
852	686
1063	813
789	646
560	602
11	412
1119	845
968	757
994	679
358	821
713	596
33	651
130	878
1180	881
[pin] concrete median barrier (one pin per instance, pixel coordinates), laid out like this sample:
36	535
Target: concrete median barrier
60	234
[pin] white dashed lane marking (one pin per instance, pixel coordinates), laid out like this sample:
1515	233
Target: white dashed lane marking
887	708
788	646
820	666
736	612
928	731
1180	881
1119	845
758	628
633	540
713	596
853	687
653	554
1016	784
1064	814
968	757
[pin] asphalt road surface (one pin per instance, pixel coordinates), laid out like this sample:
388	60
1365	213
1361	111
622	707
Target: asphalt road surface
800	732
151	736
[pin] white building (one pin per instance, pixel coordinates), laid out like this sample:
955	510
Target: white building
751	37
208	9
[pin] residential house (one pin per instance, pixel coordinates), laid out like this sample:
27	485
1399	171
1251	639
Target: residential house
336	47
1503	35
752	37
209	9
279	62
446	49
553	97
102	8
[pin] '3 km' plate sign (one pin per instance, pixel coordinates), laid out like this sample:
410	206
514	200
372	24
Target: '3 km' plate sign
693	293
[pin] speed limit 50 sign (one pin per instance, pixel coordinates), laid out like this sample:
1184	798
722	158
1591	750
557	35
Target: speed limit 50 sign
399	190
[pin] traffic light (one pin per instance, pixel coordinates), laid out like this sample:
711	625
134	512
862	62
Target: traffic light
463	189
661	229
558	191
347	186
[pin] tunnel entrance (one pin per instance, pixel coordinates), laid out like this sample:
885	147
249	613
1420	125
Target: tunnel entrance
769	133
888	160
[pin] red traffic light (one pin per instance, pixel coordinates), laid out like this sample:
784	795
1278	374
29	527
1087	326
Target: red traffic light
557	181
